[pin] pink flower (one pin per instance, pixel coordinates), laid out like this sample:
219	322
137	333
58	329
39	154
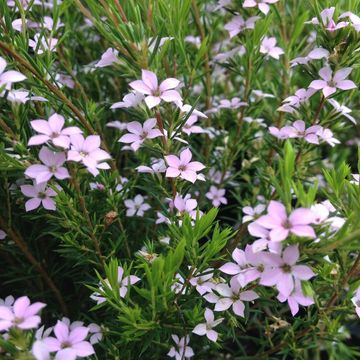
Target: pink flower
39	194
132	99
21	315
293	102
183	166
2	234
231	296
327	20
52	130
88	152
327	135
123	284
53	162
69	344
356	301
342	109
155	93
181	350
309	134
261	4
189	128
296	298
330	82
207	328
41	44
285	272
185	205
136	207
8	77
238	24
252	213
157	166
268	47
281	225
264	241
234	103
203	283
108	58
217	196
139	133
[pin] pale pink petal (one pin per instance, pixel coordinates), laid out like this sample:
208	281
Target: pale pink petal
171	96
140	87
168	84
152	101
302	272
32	204
238	308
291	255
149	79
303	230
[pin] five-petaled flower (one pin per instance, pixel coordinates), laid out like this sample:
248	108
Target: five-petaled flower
52	130
281	225
181	350
39	194
329	82
154	93
22	315
183	166
136	206
207	328
139	133
52	166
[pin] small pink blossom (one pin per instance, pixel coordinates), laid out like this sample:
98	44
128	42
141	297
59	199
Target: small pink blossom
263	242
268	47
291	103
281	225
183	166
342	109
234	103
296	298
327	136
329	82
203	283
238	24
87	151
252	213
327	20
21	314
69	344
309	134
139	133
181	350
39	194
157	166
41	44
155	93
7	78
2	234
53	162
123	284
137	206
231	296
217	196
285	272
52	130
263	5
189	128
356	301
108	58
207	328
185	205
132	99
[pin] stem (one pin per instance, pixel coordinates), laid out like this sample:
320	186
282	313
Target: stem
21	244
321	105
87	217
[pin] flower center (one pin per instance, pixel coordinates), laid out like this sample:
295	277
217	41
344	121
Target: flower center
52	169
182	167
286	224
286	268
65	344
54	135
144	135
83	153
18	320
41	195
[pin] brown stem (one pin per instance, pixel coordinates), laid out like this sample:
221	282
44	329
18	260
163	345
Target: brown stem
121	11
21	244
321	105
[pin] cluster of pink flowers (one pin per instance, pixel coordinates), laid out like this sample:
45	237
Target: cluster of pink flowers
70	146
70	340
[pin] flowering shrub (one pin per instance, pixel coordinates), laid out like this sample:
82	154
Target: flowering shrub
180	179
